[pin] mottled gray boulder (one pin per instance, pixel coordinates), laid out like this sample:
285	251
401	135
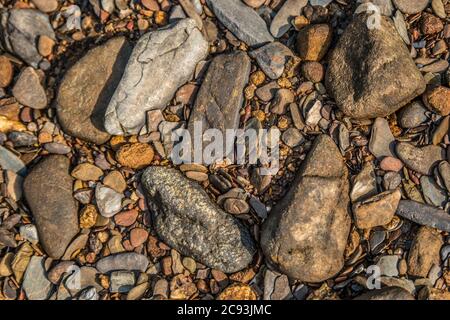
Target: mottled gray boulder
371	73
242	21
161	62
20	31
306	232
48	191
186	219
388	293
221	95
96	76
424	214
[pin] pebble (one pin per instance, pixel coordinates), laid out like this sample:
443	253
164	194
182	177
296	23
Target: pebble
411	6
437	66
87	172
391	180
236	206
314	114
6	72
438	8
28	89
138	236
400	24
126	218
272	58
388	265
29	233
292	137
45	45
57	148
115	181
432	193
9	161
314	41
387	293
444	171
109	201
424	215
88	216
35	282
197	176
382	141
283	98
364	183
121	281
46	5
254	3
412	115
150	4
313	71
89	294
22	139
430	24
281	23
128	261
420	159
268	91
135	155
391	164
75	246
438	100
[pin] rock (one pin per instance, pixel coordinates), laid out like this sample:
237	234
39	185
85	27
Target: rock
238	291
314	114
236	206
432	193
313	71
364	184
21	31
87	172
45	46
35	282
376	211
382	141
413	115
444	172
138	236
390	79
281	23
424	215
29	233
97	75
6	72
254	3
242	21
391	180
22	139
220	97
293	237
292	137
57	148
428	293
48	191
78	244
129	261
46	5
411	6
272	58
424	252
197	176
229	248
126	218
161	62
122	281
150	4
9	161
283	98
438	8
438	100
430	24
387	293
268	91
14	184
88	216
388	265
135	155
115	181
420	159
314	41
154	118
391	164
29	91
109	201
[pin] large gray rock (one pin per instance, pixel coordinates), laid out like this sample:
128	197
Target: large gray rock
161	62
424	214
242	21
221	95
371	73
48	191
186	219
20	31
96	76
35	282
306	232
420	159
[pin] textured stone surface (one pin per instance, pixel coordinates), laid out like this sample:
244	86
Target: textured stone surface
28	89
21	29
35	282
420	159
161	62
388	293
123	261
272	58
282	21
48	191
371	73
241	20
306	232
424	214
193	225
96	75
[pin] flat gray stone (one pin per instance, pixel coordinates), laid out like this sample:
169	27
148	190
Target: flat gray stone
29	91
187	220
9	161
388	265
161	62
382	140
411	6
432	193
129	261
412	115
272	58
242	21
424	214
282	21
35	282
122	281
420	159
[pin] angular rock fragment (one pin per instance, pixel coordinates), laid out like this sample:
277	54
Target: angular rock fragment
187	220
272	58
161	62
306	232
424	214
282	21
35	282
371	73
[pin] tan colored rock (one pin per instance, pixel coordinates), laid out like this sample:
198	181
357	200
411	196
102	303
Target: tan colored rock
438	100
135	155
88	216
87	172
6	72
238	291
116	181
45	45
314	41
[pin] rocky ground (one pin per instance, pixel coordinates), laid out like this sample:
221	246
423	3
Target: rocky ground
92	208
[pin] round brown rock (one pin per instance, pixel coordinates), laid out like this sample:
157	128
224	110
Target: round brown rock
6	72
411	6
313	71
314	41
135	155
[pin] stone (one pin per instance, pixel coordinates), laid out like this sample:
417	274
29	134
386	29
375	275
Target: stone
87	172
382	140
236	206
115	181
420	159
14	185
121	281
48	191
268	91
229	248
438	100
21	31
135	155
387	293
128	261
6	72
238	291
22	139
29	91
364	183
411	6
9	161
109	201
126	218
283	98
430	24
391	164
242	21
444	172
46	5
432	193
220	97
161	62
254	3
154	118
390	78
313	71
428	293
424	252
293	237
313	42
29	232
388	265
88	216
377	210
413	115
45	46
138	236
97	75
438	8
35	282
292	137
281	23
424	215
57	148
151	5
391	180
272	58
78	244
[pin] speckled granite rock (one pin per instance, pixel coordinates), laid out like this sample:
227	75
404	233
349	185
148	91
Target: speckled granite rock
186	219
